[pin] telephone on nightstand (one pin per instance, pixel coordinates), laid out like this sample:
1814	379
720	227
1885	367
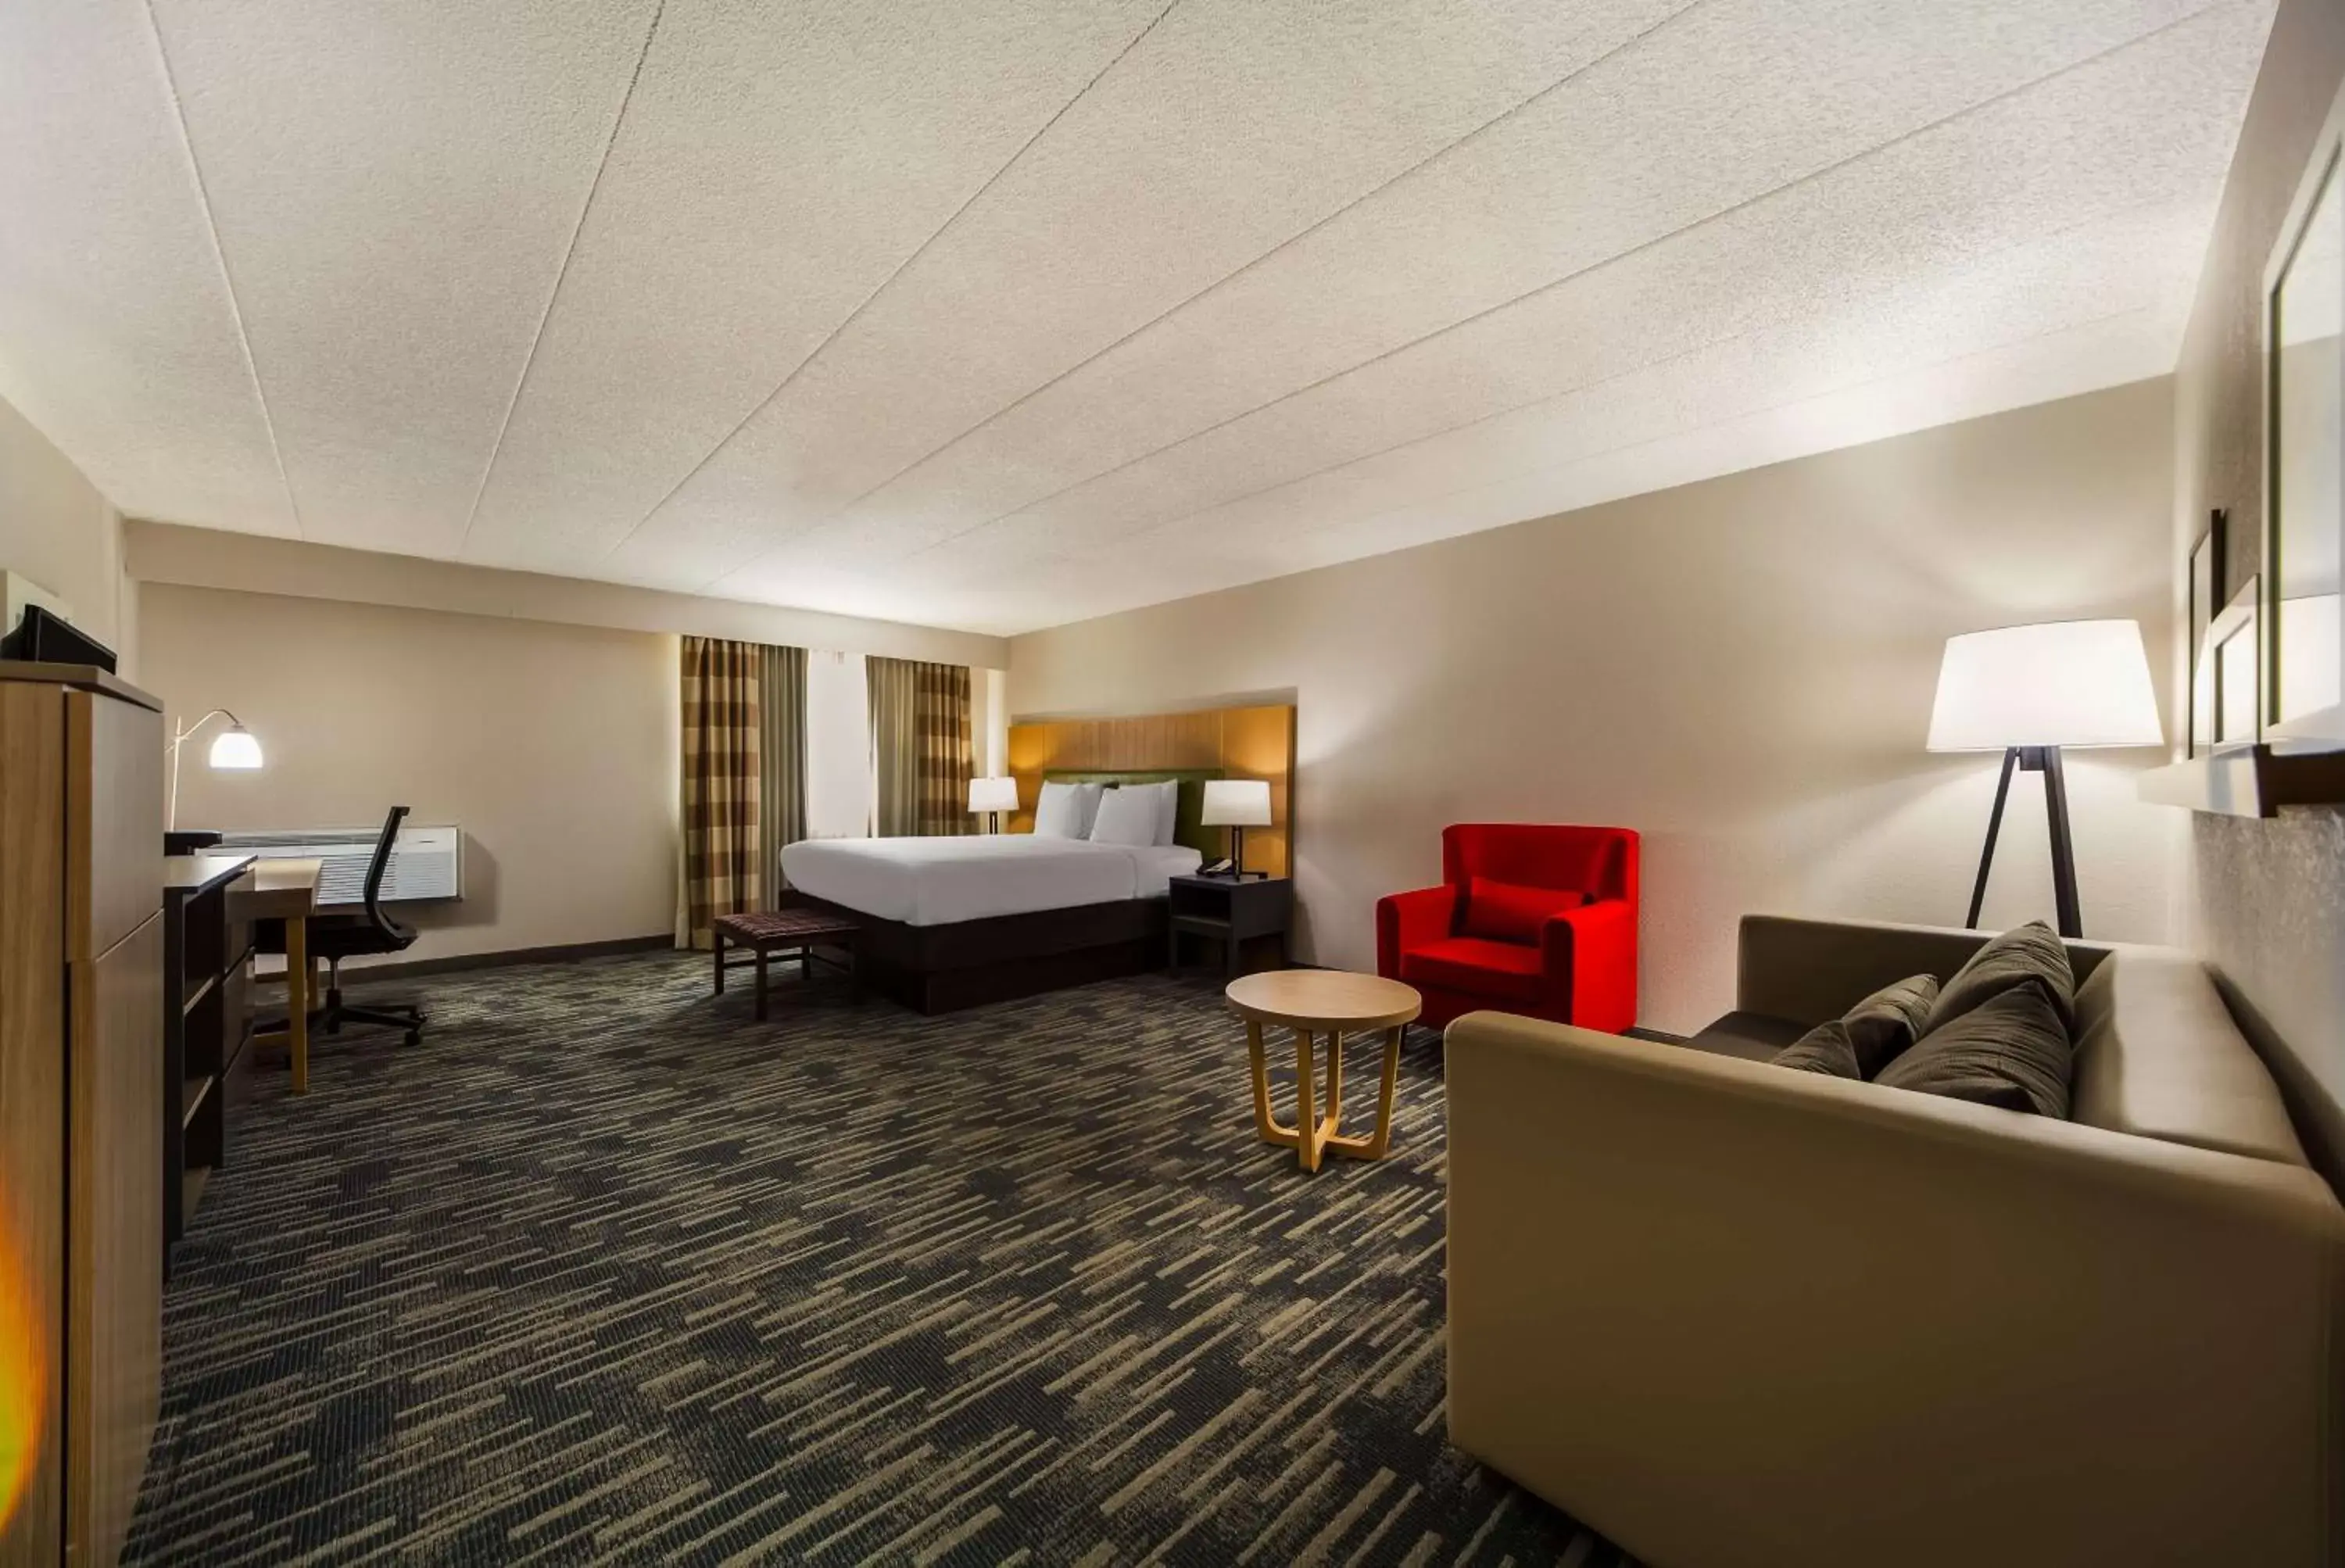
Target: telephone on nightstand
1220	868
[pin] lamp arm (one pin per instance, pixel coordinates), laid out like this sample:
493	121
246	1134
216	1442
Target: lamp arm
186	732
181	736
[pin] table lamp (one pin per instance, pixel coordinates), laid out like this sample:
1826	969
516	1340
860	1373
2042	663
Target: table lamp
234	749
993	797
1236	804
2029	691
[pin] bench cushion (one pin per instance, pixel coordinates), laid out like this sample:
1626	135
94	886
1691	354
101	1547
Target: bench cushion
775	928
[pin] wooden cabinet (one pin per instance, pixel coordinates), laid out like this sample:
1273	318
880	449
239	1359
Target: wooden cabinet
81	1113
206	957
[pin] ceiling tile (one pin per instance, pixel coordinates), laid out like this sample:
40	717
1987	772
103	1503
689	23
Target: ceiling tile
776	168
1233	126
1914	210
395	184
117	336
1726	103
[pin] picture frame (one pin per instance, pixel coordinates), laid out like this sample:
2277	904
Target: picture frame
2206	580
2231	654
2302	681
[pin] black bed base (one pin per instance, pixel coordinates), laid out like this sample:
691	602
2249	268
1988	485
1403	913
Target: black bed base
945	968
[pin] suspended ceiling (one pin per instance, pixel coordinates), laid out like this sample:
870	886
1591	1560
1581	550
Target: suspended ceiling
1003	313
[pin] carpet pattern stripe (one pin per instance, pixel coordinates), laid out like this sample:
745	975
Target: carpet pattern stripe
605	1271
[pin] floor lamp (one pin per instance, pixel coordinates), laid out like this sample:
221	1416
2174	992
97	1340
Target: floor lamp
2029	692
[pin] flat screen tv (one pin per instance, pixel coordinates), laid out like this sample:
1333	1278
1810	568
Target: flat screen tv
43	639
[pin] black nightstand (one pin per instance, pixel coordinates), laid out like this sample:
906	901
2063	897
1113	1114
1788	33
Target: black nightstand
1231	912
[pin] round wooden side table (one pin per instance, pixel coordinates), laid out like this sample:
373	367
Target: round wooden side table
1322	1001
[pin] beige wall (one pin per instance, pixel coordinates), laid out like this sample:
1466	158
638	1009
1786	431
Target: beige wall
1741	669
553	746
210	558
57	530
2265	900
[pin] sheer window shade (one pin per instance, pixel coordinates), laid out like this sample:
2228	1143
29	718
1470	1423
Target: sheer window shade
839	783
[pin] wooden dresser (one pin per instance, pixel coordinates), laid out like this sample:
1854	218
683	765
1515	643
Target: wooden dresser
81	1108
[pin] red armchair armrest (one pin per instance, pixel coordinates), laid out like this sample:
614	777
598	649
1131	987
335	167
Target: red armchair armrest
1590	957
1405	920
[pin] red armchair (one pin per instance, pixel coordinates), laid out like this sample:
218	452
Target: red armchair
1538	920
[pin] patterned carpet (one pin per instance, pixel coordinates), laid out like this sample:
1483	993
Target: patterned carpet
605	1271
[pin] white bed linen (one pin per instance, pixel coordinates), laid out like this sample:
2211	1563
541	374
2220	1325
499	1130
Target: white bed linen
939	880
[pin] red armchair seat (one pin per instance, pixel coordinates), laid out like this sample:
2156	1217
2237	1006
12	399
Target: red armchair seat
1493	969
1577	964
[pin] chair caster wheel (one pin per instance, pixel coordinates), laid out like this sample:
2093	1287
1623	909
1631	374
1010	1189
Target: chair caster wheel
414	1037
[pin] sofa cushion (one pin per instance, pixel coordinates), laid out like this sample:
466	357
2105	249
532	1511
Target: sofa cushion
1511	911
1752	1036
2011	1050
1885	1024
2030	953
2158	1056
1503	971
1827	1049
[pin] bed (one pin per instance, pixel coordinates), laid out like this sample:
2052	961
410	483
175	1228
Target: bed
955	922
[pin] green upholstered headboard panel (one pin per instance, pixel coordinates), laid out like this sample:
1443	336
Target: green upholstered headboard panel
1186	827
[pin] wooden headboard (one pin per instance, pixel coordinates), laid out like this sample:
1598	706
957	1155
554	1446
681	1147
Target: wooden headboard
1249	742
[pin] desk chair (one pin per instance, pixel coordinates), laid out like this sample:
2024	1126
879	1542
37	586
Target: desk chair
335	937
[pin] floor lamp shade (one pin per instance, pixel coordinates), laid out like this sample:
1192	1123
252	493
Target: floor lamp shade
2028	692
2063	683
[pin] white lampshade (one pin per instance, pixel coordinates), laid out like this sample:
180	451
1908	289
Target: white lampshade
2062	683
1237	803
237	749
993	794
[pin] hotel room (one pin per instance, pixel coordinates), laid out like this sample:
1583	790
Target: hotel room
722	724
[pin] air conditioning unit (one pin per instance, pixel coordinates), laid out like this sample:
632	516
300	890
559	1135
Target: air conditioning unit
425	862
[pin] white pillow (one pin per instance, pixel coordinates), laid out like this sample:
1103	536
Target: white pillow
1065	810
1168	811
1127	815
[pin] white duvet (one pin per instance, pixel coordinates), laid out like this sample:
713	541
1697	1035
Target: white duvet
936	882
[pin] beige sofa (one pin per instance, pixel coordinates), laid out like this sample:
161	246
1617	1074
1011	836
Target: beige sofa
1729	1314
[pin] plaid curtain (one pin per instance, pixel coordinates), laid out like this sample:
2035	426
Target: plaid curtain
723	847
919	746
941	731
782	742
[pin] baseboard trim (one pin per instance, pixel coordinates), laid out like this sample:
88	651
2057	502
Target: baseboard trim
450	963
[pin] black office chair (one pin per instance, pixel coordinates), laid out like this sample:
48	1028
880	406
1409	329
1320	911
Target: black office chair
336	937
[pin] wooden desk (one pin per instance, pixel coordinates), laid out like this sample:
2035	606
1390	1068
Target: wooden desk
287	890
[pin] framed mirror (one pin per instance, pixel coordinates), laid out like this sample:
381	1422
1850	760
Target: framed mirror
2304	424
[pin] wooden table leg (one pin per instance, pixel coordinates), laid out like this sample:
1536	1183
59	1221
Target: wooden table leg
761	982
1307	1127
297	1000
1268	1125
717	947
1374	1146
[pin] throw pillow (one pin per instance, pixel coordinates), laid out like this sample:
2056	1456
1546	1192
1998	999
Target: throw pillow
1825	1049
1065	810
1885	1024
2011	1050
1126	816
2024	955
1510	912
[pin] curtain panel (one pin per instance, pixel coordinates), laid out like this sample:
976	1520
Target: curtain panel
895	747
940	728
781	753
722	761
920	746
